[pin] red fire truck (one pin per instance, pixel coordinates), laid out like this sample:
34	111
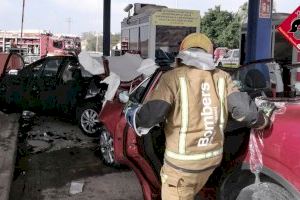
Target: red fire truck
37	44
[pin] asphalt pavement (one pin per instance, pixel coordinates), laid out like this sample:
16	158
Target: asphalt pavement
8	146
53	154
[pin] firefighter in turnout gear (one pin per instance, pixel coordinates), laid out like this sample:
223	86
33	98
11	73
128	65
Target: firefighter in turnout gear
193	100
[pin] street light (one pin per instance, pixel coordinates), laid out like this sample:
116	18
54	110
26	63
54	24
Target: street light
69	22
22	19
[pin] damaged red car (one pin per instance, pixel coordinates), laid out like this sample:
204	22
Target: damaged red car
278	176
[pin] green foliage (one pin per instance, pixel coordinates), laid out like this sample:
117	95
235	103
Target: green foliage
223	27
242	13
91	40
115	39
230	37
214	22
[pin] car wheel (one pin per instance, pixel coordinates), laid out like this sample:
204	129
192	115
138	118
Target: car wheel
107	148
234	183
239	186
88	121
264	191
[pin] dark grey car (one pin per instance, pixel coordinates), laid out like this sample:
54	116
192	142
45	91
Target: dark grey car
58	85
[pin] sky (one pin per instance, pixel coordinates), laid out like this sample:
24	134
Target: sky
87	15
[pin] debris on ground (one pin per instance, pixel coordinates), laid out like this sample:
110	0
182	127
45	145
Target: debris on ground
47	173
38	146
76	187
26	120
39	134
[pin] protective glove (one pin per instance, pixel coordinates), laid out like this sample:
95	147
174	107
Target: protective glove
130	111
266	110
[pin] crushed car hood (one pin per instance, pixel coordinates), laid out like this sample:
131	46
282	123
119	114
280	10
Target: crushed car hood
124	66
90	64
122	69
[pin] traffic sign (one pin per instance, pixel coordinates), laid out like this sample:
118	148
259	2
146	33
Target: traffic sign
290	28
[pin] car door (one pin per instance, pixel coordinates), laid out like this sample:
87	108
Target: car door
123	130
17	87
134	148
72	85
11	61
43	87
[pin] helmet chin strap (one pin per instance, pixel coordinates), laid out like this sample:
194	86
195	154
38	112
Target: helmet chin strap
197	58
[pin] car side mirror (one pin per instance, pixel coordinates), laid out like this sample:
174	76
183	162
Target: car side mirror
124	97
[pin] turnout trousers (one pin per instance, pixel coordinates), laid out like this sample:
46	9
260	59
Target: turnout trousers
179	185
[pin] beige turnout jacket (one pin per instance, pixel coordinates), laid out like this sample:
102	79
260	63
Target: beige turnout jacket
196	105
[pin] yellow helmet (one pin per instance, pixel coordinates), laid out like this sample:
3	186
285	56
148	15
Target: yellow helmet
197	40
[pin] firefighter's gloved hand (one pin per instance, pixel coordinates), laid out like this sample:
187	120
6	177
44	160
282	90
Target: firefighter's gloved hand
130	112
267	108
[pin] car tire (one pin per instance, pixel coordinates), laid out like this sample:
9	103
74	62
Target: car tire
107	148
239	186
87	117
264	191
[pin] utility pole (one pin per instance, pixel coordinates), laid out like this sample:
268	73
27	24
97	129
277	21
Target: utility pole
106	27
69	21
98	20
22	22
97	41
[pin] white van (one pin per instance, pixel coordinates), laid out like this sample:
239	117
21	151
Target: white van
230	59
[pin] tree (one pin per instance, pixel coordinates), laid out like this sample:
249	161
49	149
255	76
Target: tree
115	39
223	27
242	13
230	37
214	23
91	40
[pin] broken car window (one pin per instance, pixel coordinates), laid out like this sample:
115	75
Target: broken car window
138	93
67	74
51	67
